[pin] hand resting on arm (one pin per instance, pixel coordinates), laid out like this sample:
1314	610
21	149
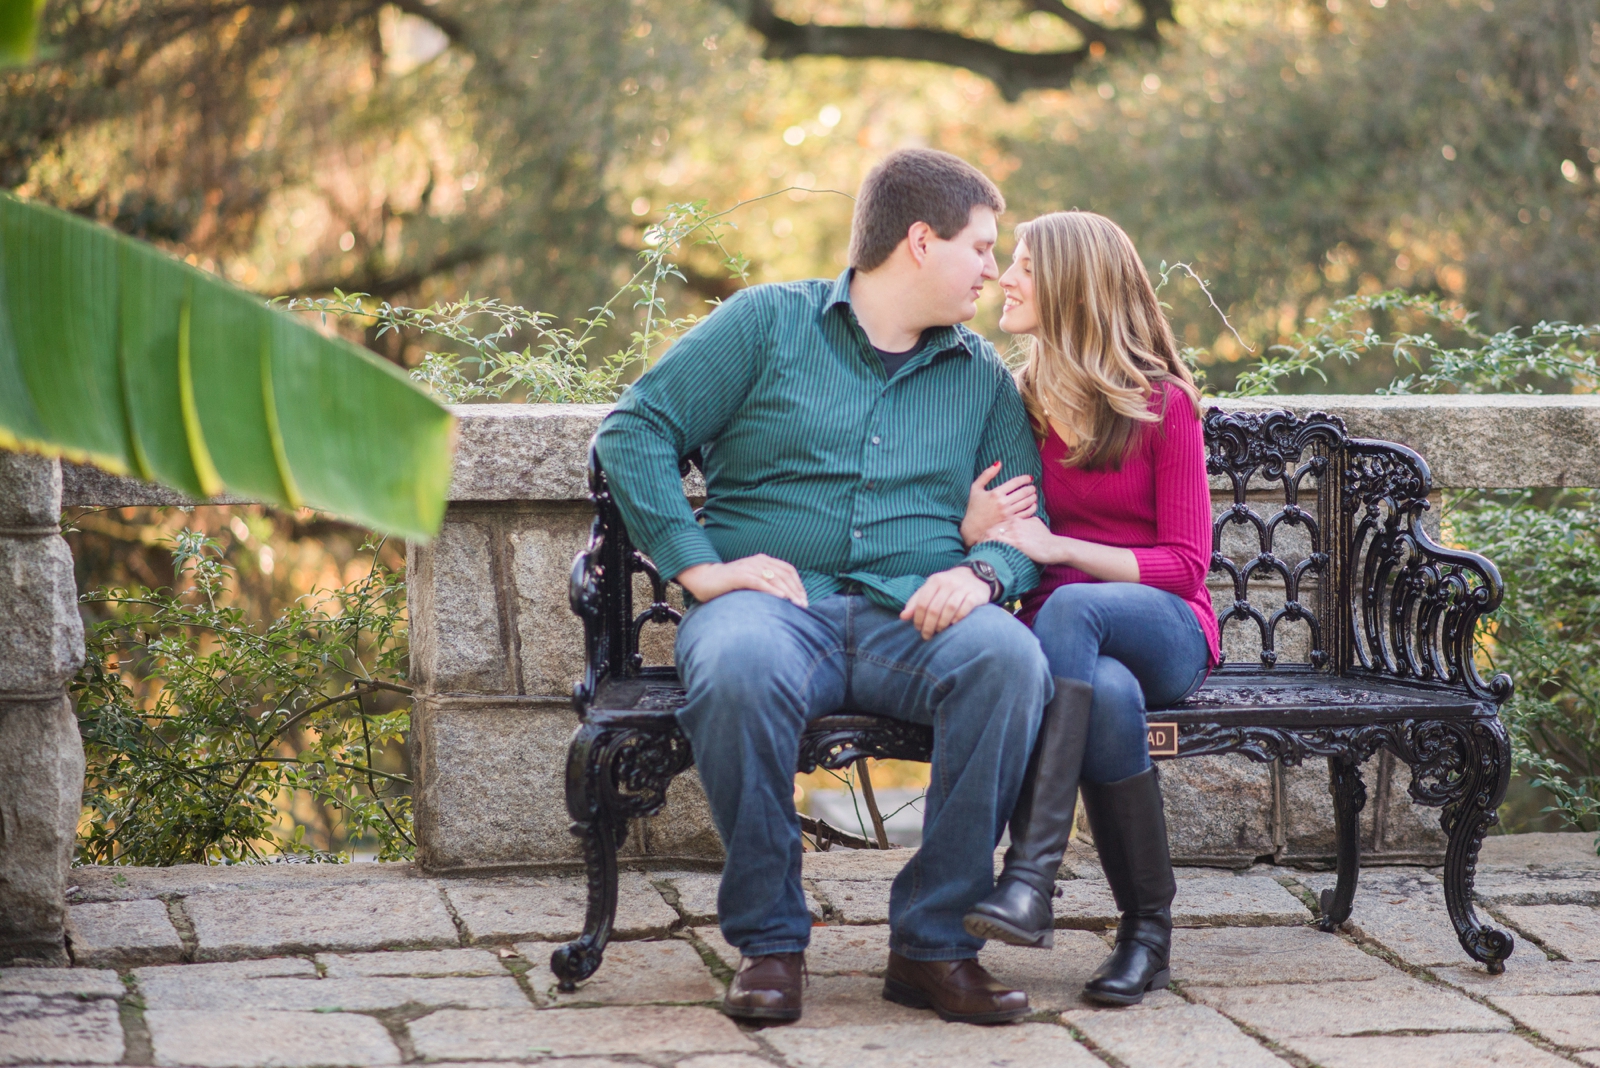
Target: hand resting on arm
1006	514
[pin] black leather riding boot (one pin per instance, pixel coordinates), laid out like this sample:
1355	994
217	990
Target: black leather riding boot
1130	832
1018	911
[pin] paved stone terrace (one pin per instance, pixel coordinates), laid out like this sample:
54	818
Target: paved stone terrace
289	966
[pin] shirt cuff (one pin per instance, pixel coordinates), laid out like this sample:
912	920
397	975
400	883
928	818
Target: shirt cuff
997	555
681	550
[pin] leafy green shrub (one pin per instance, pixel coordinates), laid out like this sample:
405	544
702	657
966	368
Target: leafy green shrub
198	722
558	365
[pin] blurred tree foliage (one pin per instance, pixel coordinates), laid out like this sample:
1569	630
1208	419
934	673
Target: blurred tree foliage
1294	152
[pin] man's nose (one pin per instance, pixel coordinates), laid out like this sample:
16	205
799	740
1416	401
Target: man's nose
991	269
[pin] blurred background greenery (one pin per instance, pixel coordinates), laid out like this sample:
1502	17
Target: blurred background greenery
429	150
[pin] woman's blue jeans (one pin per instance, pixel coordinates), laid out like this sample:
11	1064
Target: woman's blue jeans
1139	647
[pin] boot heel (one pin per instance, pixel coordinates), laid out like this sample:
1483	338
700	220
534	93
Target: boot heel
1161	980
903	994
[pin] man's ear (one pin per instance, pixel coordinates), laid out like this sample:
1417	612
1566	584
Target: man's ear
918	238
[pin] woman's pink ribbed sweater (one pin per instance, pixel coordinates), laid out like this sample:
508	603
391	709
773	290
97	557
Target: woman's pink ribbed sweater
1158	504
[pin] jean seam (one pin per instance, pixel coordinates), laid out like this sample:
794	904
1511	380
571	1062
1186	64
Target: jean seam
901	667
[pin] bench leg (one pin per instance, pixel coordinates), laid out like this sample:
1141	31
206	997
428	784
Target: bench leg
1485	771
614	773
1349	798
595	823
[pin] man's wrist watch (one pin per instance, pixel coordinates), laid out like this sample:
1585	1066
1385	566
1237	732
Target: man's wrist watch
985	570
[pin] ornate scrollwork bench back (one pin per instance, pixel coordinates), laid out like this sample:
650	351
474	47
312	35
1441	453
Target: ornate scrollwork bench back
1347	629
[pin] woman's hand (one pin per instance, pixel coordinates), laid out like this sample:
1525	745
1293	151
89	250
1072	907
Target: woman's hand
1030	537
1014	498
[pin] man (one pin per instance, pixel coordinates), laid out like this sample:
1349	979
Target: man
841	425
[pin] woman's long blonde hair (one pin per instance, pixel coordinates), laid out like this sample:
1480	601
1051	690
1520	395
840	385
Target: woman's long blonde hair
1103	341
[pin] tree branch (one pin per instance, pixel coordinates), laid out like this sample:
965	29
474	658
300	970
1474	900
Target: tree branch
1013	73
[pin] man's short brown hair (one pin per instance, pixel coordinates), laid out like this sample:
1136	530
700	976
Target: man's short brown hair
910	186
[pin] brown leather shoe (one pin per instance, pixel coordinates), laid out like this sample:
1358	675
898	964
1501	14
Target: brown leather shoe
767	989
958	990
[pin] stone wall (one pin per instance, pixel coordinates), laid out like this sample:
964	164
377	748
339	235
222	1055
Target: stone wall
41	756
495	650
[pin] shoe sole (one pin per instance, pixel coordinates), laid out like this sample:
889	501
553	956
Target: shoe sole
1160	981
761	1015
909	996
987	927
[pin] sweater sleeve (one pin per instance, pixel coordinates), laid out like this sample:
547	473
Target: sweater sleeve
1181	555
678	405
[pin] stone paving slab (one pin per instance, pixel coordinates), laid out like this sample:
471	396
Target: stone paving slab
105	882
1053	979
301	993
848	950
1571	930
857	901
855	863
1402	910
853	1001
1393	1003
697	897
634	973
1425	1051
1560	849
1235	900
728	954
710	1060
930	1043
35	1030
507	1034
1246	956
420	962
551	908
122	933
1572	1020
55	982
1526	973
343	918
1171	1036
264	968
1084	904
1563	887
259	1039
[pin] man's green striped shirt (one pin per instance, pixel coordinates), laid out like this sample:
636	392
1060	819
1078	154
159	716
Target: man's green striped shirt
811	455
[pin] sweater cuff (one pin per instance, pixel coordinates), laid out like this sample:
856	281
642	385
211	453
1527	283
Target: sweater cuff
681	550
1162	569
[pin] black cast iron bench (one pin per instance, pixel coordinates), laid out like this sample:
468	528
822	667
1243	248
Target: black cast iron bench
1384	615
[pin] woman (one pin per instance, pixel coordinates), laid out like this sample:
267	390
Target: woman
1122	610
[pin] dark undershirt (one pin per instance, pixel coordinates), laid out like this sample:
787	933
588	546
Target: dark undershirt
893	361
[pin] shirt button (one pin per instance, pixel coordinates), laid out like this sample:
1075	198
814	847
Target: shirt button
857	533
875	439
871	484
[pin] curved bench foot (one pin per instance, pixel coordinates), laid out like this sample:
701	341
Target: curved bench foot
1349	798
1464	765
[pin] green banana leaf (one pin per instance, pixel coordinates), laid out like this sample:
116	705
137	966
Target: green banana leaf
114	353
19	30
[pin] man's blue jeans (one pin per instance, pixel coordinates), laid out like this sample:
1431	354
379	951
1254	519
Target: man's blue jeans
757	668
1139	647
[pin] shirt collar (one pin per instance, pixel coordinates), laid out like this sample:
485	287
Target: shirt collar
939	338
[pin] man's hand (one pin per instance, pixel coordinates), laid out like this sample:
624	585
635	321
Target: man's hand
1015	498
944	599
762	573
